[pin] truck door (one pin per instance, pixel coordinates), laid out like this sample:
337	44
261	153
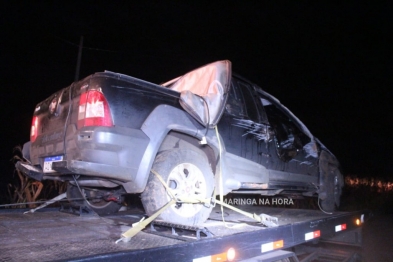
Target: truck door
289	142
243	125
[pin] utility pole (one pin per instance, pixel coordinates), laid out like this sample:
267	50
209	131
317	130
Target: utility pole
78	62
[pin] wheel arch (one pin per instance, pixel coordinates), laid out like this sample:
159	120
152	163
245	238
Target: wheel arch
328	164
175	139
328	167
163	122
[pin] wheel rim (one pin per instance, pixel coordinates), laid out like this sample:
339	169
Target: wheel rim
187	180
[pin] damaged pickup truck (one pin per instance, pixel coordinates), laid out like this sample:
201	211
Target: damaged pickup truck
205	133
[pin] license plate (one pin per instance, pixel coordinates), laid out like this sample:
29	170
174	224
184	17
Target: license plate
48	163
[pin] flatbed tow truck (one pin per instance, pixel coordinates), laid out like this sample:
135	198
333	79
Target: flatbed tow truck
66	235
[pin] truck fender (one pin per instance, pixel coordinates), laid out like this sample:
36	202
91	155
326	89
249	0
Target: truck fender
329	167
158	124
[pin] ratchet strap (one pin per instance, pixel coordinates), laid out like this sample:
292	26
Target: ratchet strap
264	219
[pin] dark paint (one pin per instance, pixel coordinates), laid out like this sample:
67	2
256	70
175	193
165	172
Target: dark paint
263	133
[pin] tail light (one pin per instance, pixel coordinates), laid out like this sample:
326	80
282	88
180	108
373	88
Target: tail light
34	129
94	110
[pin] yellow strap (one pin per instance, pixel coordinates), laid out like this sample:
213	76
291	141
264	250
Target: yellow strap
265	219
247	214
126	236
137	227
162	182
220	176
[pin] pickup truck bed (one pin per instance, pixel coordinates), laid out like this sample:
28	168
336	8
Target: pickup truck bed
50	235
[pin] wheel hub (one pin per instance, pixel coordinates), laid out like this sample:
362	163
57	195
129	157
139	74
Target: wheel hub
187	180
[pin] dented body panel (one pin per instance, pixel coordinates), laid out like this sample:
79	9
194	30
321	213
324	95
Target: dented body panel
263	145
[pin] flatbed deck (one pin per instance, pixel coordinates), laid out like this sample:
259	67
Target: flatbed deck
50	235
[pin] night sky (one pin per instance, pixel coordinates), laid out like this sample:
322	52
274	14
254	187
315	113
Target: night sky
329	63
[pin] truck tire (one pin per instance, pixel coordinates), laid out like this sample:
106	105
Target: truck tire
188	174
95	202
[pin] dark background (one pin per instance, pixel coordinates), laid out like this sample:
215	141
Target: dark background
329	63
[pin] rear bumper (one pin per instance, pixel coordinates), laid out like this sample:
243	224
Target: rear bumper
97	152
99	170
30	170
63	170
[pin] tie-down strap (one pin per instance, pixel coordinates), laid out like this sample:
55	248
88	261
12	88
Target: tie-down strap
264	219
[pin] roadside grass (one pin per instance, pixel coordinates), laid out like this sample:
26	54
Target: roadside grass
29	193
24	192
